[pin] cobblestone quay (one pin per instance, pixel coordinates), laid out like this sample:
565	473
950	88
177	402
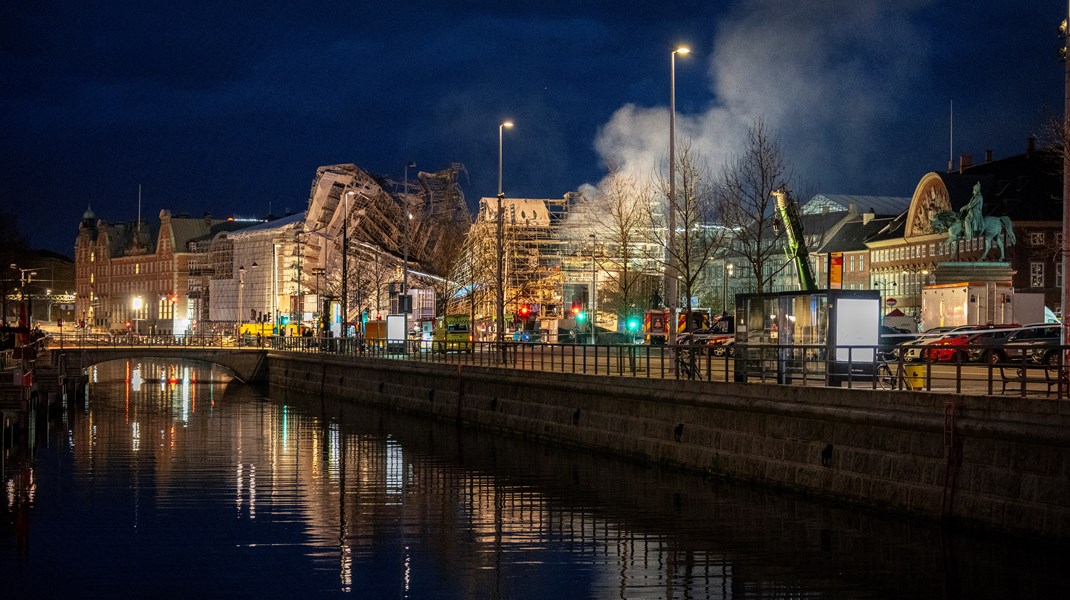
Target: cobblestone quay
995	463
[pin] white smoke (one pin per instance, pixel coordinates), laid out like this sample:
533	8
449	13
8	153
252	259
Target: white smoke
826	75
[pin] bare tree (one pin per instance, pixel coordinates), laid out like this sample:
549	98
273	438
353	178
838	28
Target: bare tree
699	240
618	214
747	207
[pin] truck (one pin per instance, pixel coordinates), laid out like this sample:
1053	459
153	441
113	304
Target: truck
977	303
453	333
655	323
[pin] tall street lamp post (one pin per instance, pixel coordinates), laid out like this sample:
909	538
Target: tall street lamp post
136	305
500	242
345	266
404	300
241	301
594	288
670	250
726	272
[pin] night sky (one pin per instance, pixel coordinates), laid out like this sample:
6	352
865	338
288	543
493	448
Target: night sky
229	110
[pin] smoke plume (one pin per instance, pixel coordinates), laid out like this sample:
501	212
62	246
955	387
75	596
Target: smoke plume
828	76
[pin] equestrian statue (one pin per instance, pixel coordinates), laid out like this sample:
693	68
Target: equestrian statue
969	222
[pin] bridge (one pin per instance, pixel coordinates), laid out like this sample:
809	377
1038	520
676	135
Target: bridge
248	364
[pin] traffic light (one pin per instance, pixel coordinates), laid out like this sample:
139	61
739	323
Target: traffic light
581	316
633	324
285	319
525	311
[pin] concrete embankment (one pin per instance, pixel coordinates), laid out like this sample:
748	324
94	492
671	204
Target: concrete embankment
998	463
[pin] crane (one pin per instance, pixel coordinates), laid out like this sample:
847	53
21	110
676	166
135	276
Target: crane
796	249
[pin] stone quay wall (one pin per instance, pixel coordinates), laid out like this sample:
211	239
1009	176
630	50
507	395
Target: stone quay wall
1000	463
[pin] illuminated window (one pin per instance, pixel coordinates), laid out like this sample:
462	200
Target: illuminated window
92	256
137	268
91	278
1036	238
1036	274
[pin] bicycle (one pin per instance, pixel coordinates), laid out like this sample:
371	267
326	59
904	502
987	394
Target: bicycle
888	380
687	364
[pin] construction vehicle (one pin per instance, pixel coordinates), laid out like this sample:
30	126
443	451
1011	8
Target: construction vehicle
796	250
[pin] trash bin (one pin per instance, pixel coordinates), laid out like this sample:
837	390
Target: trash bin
915	376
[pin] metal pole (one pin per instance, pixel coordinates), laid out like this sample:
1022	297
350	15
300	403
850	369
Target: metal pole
1066	184
241	300
345	267
500	242
670	250
594	289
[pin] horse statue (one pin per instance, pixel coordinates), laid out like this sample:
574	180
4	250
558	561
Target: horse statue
996	229
993	229
950	222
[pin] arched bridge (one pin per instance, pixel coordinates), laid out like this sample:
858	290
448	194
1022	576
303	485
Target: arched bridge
248	364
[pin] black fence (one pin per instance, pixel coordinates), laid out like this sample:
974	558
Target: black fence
867	367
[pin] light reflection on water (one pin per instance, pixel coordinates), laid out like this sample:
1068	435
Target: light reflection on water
168	481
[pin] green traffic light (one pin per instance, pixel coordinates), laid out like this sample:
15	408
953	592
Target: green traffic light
633	324
581	316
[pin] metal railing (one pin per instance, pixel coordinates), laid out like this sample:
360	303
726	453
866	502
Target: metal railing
866	367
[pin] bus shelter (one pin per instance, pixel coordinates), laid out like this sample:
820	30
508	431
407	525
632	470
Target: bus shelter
824	334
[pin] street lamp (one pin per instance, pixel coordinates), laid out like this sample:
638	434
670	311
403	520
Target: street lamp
594	288
408	217
136	305
241	302
727	269
500	237
345	266
670	268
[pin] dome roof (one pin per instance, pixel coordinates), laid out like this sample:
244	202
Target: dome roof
88	214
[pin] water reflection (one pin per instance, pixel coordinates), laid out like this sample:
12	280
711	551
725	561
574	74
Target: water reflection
167	477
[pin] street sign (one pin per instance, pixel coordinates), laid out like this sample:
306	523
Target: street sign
891	302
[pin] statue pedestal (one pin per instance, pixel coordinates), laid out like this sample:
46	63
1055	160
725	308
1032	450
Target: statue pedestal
999	273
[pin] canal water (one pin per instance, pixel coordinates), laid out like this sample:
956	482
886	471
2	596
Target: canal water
169	480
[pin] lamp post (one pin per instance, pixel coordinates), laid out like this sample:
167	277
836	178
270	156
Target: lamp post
726	272
407	217
670	267
345	266
136	305
299	317
594	288
241	300
500	242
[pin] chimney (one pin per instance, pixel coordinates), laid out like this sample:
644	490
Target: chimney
867	217
1032	147
988	155
965	162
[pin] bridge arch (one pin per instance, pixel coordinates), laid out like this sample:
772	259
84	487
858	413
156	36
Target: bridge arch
249	365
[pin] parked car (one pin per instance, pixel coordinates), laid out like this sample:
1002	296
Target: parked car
1039	343
889	339
956	347
912	350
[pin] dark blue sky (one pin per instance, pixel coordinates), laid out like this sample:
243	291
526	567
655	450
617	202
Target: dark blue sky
229	110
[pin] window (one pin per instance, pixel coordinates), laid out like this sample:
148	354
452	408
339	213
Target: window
852	268
1036	274
862	262
1036	238
1058	237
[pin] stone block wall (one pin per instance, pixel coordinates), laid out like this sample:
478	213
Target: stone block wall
997	462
